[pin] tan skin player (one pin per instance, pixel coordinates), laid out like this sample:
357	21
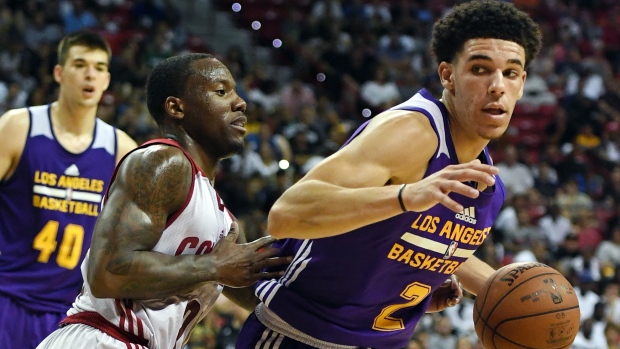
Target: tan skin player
481	88
83	78
153	183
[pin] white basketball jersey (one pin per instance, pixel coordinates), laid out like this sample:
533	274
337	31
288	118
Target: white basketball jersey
166	323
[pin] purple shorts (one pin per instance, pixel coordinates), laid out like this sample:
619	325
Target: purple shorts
256	335
22	328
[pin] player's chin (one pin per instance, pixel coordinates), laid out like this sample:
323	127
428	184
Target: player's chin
238	145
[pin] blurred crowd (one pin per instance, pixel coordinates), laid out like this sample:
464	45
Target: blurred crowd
347	60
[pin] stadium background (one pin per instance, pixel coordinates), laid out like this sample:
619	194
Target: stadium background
312	71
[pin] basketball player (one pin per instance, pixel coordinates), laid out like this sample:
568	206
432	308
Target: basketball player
162	248
378	227
55	164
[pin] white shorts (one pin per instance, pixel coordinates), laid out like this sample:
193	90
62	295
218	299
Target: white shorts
79	336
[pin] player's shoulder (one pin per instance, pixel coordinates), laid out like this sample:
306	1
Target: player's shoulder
158	159
407	124
15	121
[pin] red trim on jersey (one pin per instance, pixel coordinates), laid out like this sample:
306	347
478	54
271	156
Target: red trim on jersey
96	320
195	169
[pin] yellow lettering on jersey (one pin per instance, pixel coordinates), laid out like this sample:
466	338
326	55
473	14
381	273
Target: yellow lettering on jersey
415	223
406	257
79	183
429	223
395	251
447	228
45	178
420	260
467	235
65	206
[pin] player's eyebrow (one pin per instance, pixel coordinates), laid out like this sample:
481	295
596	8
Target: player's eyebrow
487	58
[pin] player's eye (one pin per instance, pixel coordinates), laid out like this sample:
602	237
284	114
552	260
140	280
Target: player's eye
478	69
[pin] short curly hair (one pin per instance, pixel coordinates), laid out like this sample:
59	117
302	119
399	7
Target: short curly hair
492	19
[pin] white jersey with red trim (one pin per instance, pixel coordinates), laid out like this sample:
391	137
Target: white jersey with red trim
194	229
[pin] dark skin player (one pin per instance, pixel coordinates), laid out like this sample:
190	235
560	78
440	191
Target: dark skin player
207	120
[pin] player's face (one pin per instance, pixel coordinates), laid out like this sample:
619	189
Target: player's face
487	79
84	76
214	112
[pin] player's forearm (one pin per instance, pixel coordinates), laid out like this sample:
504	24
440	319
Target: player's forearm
315	209
243	297
150	275
473	273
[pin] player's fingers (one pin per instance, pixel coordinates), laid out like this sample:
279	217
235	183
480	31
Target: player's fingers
457	187
477	165
274	262
457	288
233	233
262	242
268	275
472	175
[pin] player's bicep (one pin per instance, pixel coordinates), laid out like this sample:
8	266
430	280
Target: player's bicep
151	184
391	148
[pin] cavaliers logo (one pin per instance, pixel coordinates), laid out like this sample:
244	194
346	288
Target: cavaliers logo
450	250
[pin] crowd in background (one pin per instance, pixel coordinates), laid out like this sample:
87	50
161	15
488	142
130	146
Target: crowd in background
348	60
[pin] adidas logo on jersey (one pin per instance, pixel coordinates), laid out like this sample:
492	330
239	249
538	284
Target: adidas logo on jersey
72	171
467	215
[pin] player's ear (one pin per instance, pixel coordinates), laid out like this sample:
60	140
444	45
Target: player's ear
57	73
174	107
446	75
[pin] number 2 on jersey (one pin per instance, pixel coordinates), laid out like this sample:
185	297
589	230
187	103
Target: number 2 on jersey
414	293
70	247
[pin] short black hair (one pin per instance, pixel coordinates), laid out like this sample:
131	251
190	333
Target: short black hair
84	38
169	78
491	19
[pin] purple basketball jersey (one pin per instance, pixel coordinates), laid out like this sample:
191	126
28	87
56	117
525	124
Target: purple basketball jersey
370	287
48	209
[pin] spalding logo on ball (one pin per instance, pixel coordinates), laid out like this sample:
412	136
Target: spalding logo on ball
527	306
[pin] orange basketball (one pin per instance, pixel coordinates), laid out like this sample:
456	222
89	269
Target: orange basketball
526	305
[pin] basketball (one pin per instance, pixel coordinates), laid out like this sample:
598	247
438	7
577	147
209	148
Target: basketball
526	305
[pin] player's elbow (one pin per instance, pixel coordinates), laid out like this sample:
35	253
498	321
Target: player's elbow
101	286
279	223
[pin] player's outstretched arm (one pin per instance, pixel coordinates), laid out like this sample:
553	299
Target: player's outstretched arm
152	184
359	184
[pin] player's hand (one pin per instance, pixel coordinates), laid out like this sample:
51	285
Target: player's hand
241	265
434	189
447	295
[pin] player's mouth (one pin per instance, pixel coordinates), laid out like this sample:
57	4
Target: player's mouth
88	91
495	109
239	124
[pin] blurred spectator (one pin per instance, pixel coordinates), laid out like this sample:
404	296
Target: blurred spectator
12	97
380	93
573	203
295	94
612	335
39	31
77	16
608	251
517	177
443	335
462	316
588	339
555	226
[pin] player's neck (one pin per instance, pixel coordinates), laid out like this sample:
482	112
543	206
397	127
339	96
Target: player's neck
207	163
71	118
